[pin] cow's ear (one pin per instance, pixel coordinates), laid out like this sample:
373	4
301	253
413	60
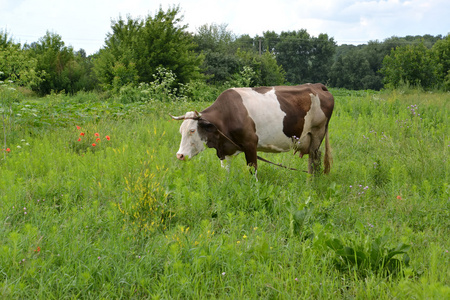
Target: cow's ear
206	125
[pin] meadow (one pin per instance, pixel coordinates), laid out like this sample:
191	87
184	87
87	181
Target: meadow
95	205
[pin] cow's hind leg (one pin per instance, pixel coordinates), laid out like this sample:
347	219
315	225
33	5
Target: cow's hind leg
328	159
314	162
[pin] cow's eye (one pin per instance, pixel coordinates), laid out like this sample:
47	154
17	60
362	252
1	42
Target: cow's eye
192	130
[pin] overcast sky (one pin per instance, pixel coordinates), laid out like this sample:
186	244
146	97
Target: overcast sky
85	23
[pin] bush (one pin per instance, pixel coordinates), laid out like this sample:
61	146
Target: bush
161	89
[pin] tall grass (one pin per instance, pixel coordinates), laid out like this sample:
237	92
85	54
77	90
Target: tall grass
125	219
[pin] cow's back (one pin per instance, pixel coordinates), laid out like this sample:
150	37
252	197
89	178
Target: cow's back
264	109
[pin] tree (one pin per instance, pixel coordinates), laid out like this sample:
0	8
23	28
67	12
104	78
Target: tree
305	58
345	73
266	70
16	64
269	41
137	47
227	57
321	57
356	67
375	52
85	79
441	56
216	43
246	43
351	70
412	64
215	38
55	61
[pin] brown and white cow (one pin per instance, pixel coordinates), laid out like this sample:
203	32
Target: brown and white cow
268	119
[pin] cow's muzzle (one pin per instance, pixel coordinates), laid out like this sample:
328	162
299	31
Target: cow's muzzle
180	156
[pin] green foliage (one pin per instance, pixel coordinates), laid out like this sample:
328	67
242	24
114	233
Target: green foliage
412	64
16	64
81	73
441	55
161	89
199	90
215	38
358	67
219	67
362	255
60	68
266	70
137	47
227	55
245	78
124	76
216	44
352	71
303	57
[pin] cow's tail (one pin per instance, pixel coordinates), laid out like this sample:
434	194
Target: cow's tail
328	159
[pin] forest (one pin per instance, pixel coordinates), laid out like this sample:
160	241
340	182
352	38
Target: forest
137	49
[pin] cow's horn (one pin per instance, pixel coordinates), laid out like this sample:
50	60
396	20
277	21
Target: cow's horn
177	118
198	115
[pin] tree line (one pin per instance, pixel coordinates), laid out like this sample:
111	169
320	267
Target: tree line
136	49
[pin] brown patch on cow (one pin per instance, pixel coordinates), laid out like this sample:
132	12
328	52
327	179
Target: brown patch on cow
295	101
262	89
229	116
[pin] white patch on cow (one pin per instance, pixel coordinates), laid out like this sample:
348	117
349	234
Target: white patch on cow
225	163
266	113
191	143
314	121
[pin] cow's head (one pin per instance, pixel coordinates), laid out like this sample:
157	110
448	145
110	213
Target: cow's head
193	134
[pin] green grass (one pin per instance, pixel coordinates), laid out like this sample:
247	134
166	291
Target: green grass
125	219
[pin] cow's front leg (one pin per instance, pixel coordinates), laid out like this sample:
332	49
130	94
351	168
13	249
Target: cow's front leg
252	160
225	163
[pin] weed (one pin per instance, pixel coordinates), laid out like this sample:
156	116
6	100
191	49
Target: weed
145	203
365	258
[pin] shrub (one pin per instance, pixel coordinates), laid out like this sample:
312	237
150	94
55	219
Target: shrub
161	89
145	203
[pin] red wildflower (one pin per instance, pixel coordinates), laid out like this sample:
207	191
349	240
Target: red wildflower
399	197
78	127
96	134
8	150
79	140
107	137
38	249
93	145
82	133
98	139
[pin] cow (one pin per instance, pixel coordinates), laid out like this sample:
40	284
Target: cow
268	119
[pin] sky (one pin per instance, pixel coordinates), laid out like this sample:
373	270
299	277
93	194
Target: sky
84	24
